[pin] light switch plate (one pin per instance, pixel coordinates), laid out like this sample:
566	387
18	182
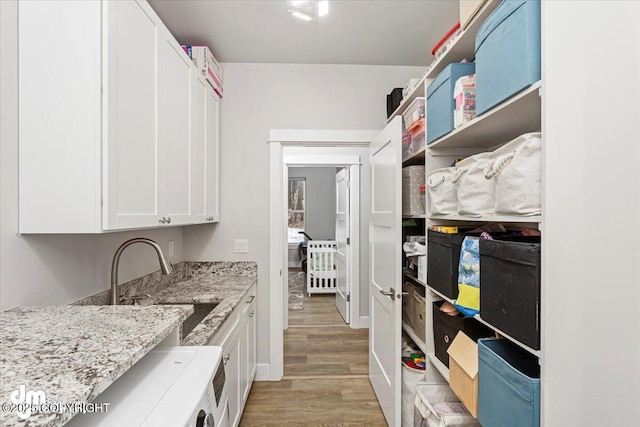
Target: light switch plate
240	246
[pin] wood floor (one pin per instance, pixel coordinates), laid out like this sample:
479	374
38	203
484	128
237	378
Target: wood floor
325	374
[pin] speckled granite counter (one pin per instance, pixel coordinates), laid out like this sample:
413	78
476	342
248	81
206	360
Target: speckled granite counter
227	291
222	282
73	353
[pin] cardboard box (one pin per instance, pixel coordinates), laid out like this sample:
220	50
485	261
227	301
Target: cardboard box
463	371
469	9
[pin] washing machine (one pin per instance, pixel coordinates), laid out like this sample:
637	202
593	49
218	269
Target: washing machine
170	386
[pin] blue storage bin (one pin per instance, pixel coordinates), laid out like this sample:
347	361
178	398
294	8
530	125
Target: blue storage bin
440	102
508	385
507	52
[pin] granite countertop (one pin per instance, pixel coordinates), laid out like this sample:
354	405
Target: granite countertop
73	353
227	291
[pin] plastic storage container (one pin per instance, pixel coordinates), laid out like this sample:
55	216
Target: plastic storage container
508	385
445	329
418	134
436	405
510	286
464	95
407	148
414	112
507	52
440	102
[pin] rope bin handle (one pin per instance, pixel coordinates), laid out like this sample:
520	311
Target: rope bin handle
433	184
497	165
457	176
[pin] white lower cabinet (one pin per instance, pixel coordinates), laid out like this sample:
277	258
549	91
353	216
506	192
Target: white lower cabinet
237	337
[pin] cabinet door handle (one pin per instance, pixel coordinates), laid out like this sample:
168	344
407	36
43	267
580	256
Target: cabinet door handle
250	300
168	220
252	313
162	220
225	358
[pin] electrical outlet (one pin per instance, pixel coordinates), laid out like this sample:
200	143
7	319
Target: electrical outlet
240	246
170	248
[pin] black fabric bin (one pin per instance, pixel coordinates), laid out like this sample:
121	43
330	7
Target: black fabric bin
443	257
445	329
510	287
393	100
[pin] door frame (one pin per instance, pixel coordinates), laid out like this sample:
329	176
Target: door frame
279	139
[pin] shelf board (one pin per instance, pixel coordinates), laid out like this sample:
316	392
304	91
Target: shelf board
412	334
409	274
416	158
417	91
444	371
536	219
465	45
517	115
414	216
525	347
536	353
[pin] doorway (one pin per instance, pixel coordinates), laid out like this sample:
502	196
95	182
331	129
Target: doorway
315	148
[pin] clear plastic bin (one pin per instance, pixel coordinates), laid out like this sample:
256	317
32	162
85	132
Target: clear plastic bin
436	405
414	113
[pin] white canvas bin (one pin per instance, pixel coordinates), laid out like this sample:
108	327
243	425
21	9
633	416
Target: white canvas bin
410	378
443	199
516	171
429	399
476	194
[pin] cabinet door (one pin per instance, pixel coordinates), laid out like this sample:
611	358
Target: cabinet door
251	349
233	367
212	155
175	78
198	150
133	151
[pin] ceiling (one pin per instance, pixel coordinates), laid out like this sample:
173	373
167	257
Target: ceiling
374	32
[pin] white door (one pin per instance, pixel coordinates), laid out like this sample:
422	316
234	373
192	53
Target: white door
134	151
385	254
343	284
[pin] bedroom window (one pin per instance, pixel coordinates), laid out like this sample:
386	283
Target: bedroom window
296	209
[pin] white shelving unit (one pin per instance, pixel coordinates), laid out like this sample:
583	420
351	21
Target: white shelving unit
444	371
418	90
412	334
464	46
489	218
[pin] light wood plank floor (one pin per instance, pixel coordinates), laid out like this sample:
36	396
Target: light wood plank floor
325	374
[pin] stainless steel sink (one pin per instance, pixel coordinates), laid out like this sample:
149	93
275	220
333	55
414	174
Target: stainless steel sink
200	311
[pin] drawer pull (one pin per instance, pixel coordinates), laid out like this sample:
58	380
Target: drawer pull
446	339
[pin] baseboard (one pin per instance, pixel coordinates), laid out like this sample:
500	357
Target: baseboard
263	372
364	322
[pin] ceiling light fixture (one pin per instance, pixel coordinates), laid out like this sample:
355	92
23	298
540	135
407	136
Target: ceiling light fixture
308	10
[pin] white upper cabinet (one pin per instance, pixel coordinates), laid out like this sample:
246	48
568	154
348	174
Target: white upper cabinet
205	170
176	76
135	152
112	125
212	155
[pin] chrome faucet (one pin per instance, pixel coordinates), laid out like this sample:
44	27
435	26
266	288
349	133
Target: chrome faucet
165	265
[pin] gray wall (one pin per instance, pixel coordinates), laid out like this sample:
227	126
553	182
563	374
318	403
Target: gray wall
320	209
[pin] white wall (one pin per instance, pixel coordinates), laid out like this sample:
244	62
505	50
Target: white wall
49	269
320	201
259	97
591	213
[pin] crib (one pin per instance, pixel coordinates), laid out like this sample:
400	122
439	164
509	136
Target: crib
321	267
